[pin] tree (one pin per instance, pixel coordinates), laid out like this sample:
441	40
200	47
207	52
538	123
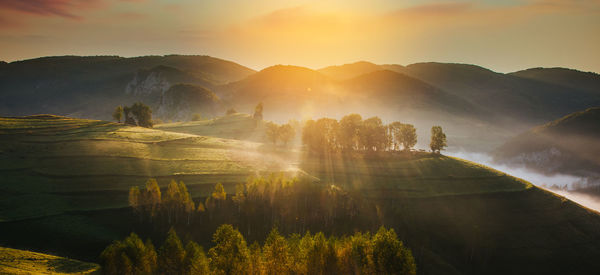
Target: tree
272	132
258	112
172	200
118	113
171	254
348	136
128	119
195	261
321	136
389	254
219	192
286	133
404	134
152	197
130	256
230	254
230	111
196	117
438	139
255	260
143	114
275	253
373	134
135	198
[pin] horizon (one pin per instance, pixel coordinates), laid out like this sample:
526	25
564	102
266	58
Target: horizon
504	36
312	68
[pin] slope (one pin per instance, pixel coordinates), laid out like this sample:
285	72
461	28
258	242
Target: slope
521	101
14	261
567	145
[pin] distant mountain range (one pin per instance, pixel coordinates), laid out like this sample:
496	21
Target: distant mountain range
479	108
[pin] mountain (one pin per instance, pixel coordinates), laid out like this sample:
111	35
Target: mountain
181	101
283	89
520	100
568	145
587	81
399	91
92	86
347	71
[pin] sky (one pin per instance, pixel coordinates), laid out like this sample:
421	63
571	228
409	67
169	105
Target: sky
504	36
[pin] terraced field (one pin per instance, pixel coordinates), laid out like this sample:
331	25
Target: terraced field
14	261
233	126
45	160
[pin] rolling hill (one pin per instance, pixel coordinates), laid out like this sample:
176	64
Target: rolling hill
521	101
568	145
480	108
65	184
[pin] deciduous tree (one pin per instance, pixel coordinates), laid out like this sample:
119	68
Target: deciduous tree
438	139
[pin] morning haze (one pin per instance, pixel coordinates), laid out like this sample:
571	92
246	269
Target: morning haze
299	137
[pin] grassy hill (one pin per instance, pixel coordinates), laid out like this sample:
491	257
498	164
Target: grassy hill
14	261
64	179
65	183
566	145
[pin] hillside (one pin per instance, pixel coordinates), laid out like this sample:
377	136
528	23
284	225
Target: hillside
64	178
182	101
517	101
234	126
567	145
284	90
92	86
14	261
66	183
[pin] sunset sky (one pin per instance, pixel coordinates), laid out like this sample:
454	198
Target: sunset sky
501	35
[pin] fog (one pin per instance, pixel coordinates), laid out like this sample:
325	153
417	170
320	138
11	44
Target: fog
538	179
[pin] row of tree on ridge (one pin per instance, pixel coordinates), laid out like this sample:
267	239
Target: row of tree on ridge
352	133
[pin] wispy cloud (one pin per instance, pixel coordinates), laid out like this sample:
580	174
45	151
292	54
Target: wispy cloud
62	8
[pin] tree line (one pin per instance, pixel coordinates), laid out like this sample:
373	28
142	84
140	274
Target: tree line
352	133
360	253
294	205
139	114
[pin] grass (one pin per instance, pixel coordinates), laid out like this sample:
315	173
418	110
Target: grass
233	126
52	165
14	261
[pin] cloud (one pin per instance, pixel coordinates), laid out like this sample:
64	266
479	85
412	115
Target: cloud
62	8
